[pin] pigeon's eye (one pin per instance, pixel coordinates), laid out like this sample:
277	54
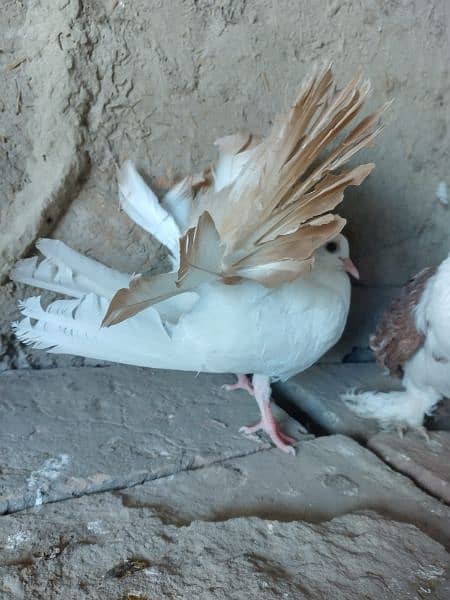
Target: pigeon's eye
331	247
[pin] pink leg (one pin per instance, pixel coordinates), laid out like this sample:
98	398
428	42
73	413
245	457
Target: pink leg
242	383
262	392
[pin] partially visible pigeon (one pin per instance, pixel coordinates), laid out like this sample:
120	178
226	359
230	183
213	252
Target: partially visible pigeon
259	282
412	341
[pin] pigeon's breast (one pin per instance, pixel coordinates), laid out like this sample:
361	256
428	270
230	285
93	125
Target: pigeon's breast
316	324
247	328
435	311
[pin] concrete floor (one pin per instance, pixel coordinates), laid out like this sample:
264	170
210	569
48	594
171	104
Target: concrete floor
120	482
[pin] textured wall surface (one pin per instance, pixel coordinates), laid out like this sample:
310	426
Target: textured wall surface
87	84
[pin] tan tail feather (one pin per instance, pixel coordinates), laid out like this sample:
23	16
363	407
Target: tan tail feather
141	293
234	144
200	261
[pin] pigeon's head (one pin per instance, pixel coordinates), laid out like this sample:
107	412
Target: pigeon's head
335	256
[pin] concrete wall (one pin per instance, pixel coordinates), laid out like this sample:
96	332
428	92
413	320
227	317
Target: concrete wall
158	81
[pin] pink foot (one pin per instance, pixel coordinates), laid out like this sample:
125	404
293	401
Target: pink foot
242	383
261	386
280	439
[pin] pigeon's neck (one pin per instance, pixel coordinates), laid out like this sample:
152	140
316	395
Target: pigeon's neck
337	281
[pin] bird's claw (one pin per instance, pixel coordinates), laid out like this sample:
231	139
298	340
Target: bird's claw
242	383
280	439
422	431
401	429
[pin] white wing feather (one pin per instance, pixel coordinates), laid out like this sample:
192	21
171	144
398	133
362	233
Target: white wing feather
168	220
68	272
141	204
73	327
178	202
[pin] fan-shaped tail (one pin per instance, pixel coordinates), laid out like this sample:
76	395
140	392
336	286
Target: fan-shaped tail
74	327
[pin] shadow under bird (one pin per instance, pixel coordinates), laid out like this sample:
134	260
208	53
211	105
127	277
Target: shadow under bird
260	268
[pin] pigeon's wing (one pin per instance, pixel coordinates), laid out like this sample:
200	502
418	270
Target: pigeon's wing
267	224
397	336
289	180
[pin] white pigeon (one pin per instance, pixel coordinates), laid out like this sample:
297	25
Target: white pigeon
259	282
412	342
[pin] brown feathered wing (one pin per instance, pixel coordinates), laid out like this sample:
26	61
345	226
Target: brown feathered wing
396	337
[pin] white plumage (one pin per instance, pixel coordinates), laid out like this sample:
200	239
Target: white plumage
417	351
142	205
243	297
212	330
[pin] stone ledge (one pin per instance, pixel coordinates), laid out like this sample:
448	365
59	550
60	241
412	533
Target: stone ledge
425	462
94	547
330	476
69	432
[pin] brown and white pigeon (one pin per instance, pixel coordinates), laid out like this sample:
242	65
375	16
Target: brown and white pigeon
412	342
260	280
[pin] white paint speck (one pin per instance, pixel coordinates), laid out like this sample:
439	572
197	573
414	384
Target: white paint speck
441	193
39	498
95	527
16	539
50	470
153	574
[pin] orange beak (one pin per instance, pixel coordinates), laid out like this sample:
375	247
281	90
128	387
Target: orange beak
350	267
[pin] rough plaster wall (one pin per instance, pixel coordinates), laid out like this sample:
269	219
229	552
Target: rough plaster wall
157	82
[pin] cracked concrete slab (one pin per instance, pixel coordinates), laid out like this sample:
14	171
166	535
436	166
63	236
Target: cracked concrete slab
68	432
330	476
425	462
106	550
218	515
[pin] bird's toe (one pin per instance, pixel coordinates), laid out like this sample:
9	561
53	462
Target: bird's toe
280	439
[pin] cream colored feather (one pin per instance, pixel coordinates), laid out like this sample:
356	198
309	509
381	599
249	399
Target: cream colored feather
266	224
